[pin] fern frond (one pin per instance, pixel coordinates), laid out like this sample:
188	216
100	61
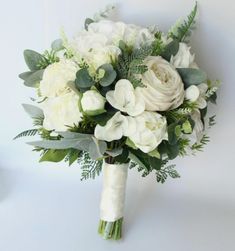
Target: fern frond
27	133
90	168
200	146
184	29
162	174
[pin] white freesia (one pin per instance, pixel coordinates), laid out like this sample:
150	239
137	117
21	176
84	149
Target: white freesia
92	102
197	94
94	48
151	129
114	129
56	78
164	87
136	36
61	112
183	58
125	98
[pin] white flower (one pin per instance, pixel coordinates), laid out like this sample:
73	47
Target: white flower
94	48
61	112
183	58
56	78
113	31
92	102
164	87
197	94
150	130
125	98
197	132
114	129
136	36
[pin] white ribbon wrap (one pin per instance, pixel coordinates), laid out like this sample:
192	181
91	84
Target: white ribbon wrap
113	194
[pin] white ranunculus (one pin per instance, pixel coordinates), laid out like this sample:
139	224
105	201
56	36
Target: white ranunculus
56	78
61	112
92	102
197	94
164	87
150	130
125	98
94	48
183	58
114	129
197	132
136	36
113	31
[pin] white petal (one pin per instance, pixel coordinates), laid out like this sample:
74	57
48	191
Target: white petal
192	93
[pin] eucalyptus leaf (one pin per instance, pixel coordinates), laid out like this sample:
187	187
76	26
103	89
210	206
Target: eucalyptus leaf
75	135
83	79
170	50
191	76
33	79
139	161
115	152
109	75
57	45
32	59
155	163
33	111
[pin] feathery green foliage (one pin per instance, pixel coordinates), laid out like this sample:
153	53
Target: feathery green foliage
27	133
199	146
184	29
90	168
49	57
162	174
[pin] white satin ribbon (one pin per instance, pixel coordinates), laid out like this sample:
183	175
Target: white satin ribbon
113	194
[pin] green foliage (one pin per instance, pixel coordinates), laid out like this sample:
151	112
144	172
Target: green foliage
88	21
191	76
49	57
52	155
87	125
83	79
90	168
158	46
162	174
27	133
72	156
109	75
212	121
200	146
32	59
32	78
184	29
184	144
57	45
170	50
131	63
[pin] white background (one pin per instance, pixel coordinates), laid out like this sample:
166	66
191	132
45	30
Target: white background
45	207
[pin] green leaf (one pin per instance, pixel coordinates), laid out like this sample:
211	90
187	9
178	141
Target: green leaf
33	59
155	154
83	79
170	50
33	111
213	98
130	143
54	155
178	131
57	45
123	157
109	75
155	163
103	118
191	76
172	137
32	79
88	21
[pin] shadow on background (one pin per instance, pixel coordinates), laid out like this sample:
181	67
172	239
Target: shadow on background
5	183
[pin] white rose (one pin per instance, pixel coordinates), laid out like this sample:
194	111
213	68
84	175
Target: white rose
183	58
136	36
197	94
125	98
114	129
56	78
61	112
198	129
113	31
92	102
94	49
164	87
151	129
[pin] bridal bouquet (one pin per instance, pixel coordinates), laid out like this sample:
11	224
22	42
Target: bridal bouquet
119	96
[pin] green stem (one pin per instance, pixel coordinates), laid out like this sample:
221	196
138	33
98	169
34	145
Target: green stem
111	230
